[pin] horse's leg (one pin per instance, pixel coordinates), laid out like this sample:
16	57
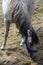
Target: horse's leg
7	25
22	42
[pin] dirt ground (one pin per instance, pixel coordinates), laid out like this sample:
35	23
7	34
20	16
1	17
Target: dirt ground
14	54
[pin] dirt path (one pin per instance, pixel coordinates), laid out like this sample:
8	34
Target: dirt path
16	55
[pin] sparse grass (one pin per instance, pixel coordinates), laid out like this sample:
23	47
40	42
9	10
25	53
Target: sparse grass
38	10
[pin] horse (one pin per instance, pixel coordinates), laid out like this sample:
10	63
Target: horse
19	12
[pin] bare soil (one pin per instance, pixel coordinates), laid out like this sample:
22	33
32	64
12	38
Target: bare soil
14	54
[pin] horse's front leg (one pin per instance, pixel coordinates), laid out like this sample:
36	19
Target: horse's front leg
22	42
7	25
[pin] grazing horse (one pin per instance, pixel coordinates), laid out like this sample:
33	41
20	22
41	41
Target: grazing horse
19	12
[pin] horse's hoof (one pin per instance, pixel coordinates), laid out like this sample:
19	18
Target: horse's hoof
2	48
22	44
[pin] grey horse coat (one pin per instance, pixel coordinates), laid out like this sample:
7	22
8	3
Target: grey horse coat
19	12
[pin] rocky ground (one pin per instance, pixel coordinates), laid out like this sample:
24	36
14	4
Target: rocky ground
14	54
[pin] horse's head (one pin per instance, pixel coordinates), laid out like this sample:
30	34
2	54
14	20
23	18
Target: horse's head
32	37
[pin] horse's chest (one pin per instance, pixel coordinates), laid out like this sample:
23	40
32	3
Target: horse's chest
5	6
8	7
